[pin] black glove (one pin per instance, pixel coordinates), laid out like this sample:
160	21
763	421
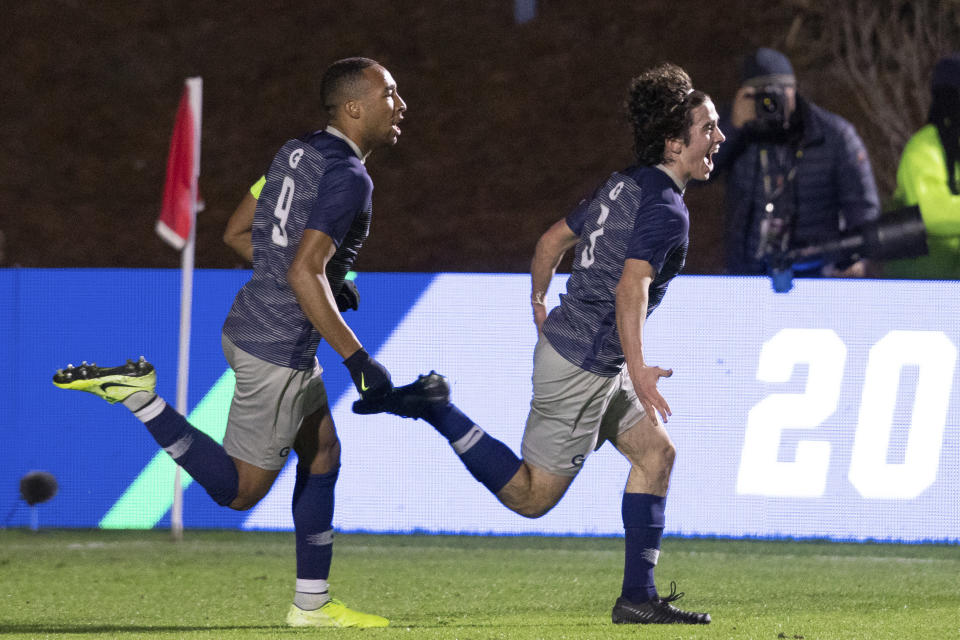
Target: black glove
349	297
370	377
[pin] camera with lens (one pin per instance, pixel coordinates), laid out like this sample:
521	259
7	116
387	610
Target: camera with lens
896	235
771	103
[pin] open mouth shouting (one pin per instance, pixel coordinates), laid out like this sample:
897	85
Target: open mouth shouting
708	159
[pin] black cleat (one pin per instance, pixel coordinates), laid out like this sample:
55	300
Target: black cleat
409	401
658	611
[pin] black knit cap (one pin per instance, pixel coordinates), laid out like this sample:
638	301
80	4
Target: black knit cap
946	73
766	66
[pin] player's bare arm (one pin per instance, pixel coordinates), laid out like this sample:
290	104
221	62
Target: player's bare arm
237	235
551	247
307	278
632	300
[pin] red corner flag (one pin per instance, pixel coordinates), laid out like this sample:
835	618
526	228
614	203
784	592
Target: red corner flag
179	209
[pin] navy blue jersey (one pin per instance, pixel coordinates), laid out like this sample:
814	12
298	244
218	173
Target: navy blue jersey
316	182
637	213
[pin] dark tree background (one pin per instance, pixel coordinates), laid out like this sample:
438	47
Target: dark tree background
508	125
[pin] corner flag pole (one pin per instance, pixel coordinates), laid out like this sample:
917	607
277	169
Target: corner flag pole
177	226
195	88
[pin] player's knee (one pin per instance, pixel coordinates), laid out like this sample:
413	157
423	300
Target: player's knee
659	460
531	493
245	500
535	507
329	447
656	459
241	504
534	512
667	454
325	460
321	456
659	454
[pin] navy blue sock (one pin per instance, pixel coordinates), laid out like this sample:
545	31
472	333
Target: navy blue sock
643	523
449	421
303	474
313	522
488	460
195	451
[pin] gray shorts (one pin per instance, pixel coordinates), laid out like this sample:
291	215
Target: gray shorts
573	412
269	403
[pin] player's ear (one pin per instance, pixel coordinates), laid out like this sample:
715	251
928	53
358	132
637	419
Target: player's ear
672	148
353	108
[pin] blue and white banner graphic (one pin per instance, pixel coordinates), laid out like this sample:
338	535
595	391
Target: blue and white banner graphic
828	412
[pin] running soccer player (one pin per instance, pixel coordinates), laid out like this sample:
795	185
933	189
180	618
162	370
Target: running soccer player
591	382
302	234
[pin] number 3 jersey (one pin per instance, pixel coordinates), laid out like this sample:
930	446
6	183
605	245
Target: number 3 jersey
637	213
315	182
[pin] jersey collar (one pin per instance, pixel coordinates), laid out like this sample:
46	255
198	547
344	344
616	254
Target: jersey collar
666	170
353	145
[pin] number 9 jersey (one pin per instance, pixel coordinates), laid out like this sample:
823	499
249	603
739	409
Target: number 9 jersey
315	182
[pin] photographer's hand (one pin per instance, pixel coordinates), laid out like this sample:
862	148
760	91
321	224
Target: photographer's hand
861	269
744	107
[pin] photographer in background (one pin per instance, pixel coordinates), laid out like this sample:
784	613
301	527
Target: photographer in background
929	176
796	175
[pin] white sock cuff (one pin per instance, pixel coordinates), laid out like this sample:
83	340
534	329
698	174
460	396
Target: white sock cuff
179	447
321	539
151	410
472	437
312	586
651	555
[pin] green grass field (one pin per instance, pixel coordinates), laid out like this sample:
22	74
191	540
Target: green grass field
114	584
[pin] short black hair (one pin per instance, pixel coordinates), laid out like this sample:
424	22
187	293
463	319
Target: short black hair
341	81
660	106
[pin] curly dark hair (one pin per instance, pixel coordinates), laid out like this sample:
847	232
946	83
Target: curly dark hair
659	107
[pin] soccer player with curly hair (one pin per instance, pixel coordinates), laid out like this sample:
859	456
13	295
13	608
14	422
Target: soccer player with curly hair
591	382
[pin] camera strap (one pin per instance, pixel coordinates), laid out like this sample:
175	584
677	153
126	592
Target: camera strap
775	183
776	219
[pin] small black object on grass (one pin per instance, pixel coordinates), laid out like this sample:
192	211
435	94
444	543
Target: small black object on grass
37	487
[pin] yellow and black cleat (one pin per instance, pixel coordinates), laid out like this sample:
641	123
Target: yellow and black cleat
114	384
333	614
